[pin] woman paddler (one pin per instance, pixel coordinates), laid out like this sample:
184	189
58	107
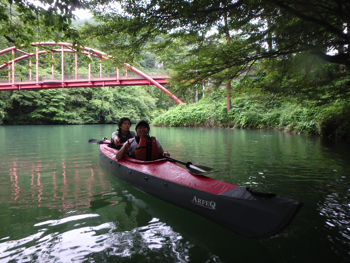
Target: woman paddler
143	146
122	134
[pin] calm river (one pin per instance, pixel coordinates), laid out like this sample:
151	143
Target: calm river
58	204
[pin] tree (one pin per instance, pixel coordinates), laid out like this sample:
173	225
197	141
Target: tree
295	26
231	36
78	106
23	22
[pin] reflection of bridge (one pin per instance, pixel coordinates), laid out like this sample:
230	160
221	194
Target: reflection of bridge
29	77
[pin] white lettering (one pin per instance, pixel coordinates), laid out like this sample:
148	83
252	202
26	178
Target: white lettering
204	203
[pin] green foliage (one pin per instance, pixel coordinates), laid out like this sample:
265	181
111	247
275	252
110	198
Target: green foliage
271	112
205	113
335	119
23	22
303	76
262	111
224	38
78	106
4	98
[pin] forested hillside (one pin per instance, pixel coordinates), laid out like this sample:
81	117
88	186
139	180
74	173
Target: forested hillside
259	64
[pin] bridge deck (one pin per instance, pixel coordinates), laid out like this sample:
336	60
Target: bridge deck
80	83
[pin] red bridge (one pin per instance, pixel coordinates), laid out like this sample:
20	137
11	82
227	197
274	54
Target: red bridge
15	60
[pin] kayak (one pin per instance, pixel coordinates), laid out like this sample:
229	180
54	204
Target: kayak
247	212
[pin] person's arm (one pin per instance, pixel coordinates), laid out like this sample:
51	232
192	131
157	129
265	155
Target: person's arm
115	138
124	150
163	153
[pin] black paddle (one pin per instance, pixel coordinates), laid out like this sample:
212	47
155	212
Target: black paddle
193	169
94	141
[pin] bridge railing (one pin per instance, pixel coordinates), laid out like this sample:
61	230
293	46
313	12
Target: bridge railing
104	75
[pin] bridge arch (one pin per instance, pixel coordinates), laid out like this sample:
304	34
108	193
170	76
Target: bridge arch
130	77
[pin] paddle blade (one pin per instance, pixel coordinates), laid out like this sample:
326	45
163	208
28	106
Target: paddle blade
94	141
199	169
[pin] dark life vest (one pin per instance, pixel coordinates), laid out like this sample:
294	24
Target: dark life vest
147	149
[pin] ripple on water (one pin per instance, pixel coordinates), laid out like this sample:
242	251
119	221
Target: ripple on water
80	242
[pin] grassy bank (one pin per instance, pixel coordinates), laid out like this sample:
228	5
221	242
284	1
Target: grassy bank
263	112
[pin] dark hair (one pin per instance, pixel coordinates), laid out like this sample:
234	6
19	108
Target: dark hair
121	121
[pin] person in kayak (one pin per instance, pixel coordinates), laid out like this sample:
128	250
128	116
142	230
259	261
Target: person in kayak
120	136
142	147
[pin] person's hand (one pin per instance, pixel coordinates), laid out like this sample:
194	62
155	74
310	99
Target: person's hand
116	141
166	153
128	143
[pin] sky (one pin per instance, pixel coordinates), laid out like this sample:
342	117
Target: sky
82	14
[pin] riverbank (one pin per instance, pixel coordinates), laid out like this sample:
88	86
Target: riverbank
263	112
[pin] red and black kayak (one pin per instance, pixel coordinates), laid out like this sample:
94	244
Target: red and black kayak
244	211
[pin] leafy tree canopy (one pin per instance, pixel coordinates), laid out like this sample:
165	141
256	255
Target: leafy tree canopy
227	37
24	21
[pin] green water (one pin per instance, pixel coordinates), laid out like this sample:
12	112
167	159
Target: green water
57	204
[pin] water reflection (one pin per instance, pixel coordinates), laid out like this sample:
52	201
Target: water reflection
82	242
141	226
58	204
35	183
67	231
337	219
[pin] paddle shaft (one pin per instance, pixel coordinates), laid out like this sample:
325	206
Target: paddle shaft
175	160
188	164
